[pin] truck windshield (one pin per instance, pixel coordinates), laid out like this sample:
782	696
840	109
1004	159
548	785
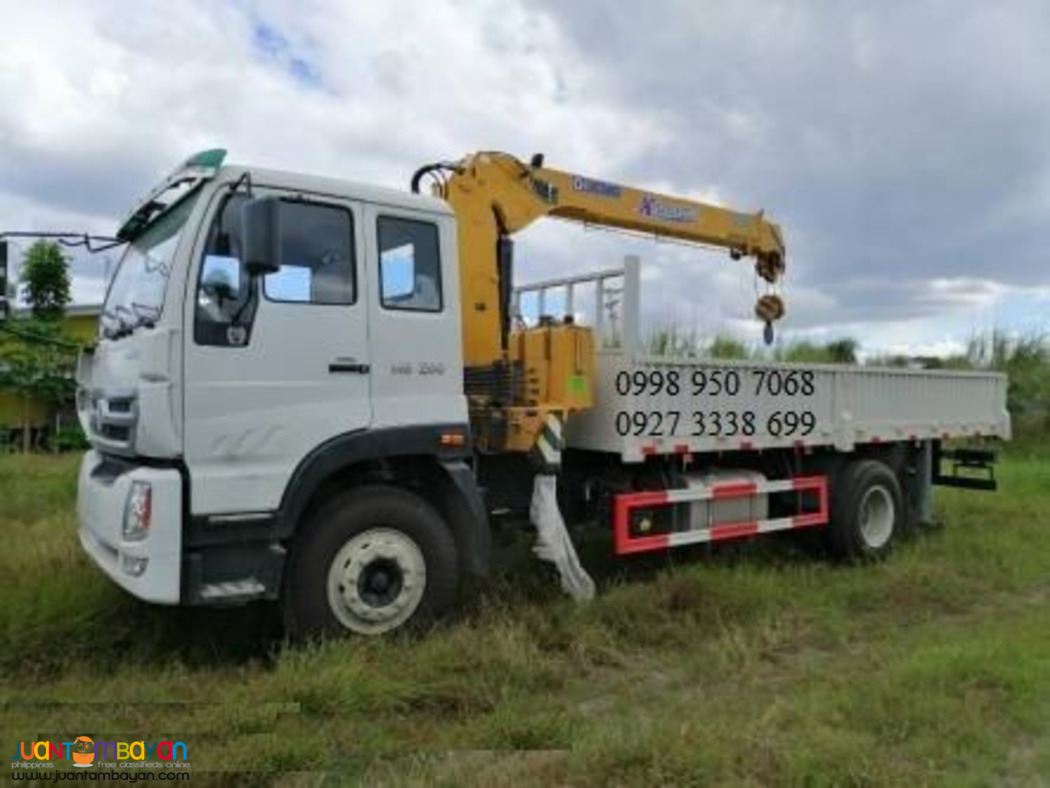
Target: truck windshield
136	295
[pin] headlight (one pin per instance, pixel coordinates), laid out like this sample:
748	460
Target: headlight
138	511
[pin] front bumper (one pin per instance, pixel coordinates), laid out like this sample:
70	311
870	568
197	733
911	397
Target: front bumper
102	495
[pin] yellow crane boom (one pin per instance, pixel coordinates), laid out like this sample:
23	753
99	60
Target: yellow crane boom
495	195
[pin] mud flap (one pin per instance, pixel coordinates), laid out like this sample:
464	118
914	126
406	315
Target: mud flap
552	539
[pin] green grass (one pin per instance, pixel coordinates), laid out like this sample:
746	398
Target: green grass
750	665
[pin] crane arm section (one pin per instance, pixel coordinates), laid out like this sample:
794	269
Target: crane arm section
495	195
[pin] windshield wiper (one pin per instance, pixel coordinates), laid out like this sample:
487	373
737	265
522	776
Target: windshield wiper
139	315
146	314
124	327
108	318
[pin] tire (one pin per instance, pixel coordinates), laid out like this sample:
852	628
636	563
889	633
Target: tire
867	512
374	560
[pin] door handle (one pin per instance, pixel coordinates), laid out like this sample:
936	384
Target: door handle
349	367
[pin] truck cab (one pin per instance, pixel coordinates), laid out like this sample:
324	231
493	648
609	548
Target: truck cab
224	405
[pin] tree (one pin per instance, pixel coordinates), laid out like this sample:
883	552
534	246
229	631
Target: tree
37	357
843	351
45	280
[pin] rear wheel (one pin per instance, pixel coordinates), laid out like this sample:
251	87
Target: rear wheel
374	560
867	511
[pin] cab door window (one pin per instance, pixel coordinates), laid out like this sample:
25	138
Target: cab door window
317	255
409	265
317	266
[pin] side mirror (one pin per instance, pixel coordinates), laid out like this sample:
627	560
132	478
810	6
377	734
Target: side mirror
261	235
221	278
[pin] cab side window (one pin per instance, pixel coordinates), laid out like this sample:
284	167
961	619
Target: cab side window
317	267
409	265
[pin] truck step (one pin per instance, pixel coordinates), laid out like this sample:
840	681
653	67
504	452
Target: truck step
232	591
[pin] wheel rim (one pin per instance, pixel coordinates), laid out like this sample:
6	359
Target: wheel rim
877	516
376	581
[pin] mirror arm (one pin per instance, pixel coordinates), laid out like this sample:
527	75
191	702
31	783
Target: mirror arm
246	181
253	286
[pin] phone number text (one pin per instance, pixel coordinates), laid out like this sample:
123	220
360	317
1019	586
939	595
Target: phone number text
716	382
714	423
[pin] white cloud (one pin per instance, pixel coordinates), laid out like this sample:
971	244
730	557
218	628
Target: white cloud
908	169
395	87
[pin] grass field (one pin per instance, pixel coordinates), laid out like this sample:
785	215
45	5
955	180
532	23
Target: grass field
755	664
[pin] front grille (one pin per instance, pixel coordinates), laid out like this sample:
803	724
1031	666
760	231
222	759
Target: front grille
114	432
121	405
111	418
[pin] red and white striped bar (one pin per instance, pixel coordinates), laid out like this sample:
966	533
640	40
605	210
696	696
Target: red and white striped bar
625	503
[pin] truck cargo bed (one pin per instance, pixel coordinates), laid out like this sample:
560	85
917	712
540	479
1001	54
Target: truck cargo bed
648	405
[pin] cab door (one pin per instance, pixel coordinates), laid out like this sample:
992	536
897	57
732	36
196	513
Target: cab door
275	366
414	317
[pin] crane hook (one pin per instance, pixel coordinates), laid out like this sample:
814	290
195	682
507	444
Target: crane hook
769	308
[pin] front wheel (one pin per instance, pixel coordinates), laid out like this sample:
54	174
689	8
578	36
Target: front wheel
374	560
867	511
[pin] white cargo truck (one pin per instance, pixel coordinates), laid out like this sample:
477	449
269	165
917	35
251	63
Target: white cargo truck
290	399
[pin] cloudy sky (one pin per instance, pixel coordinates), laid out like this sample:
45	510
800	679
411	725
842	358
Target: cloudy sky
903	146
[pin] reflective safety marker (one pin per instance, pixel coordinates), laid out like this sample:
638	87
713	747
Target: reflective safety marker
546	452
626	504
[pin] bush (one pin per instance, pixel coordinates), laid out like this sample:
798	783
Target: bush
675	342
725	346
838	351
1026	361
70	438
